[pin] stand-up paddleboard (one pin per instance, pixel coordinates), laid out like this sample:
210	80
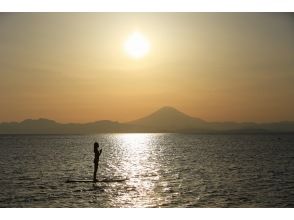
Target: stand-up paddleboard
98	181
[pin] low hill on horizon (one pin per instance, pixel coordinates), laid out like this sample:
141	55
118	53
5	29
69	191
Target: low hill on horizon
166	119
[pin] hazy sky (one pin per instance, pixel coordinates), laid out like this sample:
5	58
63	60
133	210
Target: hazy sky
72	67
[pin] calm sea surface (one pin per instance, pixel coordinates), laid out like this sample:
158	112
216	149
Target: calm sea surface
159	170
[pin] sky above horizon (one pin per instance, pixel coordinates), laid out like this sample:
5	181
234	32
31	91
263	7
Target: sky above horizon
72	67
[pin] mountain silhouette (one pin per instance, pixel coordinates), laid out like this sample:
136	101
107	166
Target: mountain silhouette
166	119
45	126
169	119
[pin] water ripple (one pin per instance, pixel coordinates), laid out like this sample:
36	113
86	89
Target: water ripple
157	170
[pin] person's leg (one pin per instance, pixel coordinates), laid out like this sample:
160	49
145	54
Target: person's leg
95	171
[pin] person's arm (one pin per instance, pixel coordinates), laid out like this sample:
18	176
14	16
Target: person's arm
100	152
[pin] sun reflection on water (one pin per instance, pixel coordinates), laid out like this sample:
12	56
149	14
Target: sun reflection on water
141	165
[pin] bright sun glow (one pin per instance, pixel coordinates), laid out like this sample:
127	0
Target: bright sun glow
137	46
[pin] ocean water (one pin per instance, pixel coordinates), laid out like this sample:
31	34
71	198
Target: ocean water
158	170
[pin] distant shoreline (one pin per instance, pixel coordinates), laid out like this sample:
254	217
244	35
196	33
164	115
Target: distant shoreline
164	120
105	133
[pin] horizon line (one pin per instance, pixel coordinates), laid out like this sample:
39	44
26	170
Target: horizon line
154	111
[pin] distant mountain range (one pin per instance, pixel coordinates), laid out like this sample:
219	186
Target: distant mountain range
166	119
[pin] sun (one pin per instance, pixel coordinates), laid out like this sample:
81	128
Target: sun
136	46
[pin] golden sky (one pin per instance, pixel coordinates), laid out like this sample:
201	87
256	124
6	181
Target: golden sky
72	67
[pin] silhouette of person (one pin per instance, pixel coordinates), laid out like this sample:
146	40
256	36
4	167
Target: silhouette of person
96	160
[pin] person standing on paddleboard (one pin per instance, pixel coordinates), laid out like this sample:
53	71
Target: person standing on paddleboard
96	159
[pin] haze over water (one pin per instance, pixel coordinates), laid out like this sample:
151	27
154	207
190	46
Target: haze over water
160	170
